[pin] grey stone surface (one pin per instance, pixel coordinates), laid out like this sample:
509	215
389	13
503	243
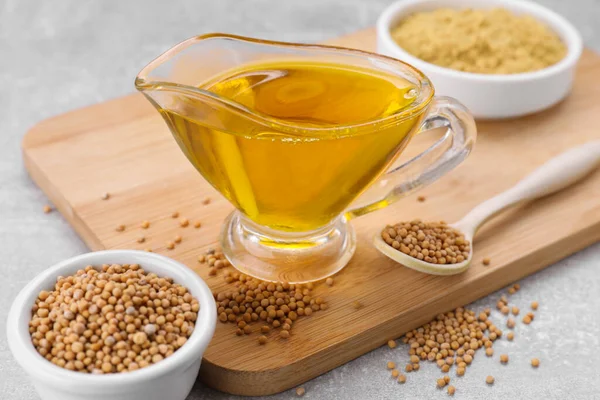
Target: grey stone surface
57	56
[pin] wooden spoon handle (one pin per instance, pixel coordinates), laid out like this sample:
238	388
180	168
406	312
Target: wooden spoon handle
556	174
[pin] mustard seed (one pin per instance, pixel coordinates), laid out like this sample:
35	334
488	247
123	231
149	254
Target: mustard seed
408	368
170	245
535	362
486	261
451	390
47	209
510	336
515	310
534	305
392	344
504	358
300	391
96	344
505	310
184	222
421	199
510	323
145	225
197	224
401	378
206	200
391	365
512	290
460	371
329	281
105	196
441	383
395	373
526	320
178	239
120	228
262	339
435	243
284	334
141	239
489	380
489	352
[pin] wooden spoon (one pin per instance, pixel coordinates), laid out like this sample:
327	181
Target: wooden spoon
553	176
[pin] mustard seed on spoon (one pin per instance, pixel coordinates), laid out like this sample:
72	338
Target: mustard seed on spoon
445	249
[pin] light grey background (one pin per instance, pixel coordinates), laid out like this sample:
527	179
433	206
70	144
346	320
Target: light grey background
57	56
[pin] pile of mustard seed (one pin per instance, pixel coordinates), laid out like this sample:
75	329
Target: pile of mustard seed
253	302
433	242
454	338
116	318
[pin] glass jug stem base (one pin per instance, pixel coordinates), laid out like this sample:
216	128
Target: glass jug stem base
276	256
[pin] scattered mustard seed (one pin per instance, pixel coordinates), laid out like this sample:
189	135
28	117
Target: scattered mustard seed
436	243
357	305
489	380
300	391
504	358
262	339
451	390
184	222
446	379
120	228
526	320
510	323
489	352
206	201
175	214
535	362
105	196
512	290
178	239
329	281
149	250
510	336
515	310
141	239
516	286
535	305
170	245
421	199
391	365
505	310
408	368
395	373
486	261
145	224
392	344
401	378
47	209
441	383
197	224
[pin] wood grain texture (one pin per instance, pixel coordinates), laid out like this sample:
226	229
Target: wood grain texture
124	148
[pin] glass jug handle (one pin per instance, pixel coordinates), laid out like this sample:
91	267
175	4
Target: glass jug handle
437	160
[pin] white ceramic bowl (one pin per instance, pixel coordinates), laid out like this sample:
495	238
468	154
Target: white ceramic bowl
170	379
490	96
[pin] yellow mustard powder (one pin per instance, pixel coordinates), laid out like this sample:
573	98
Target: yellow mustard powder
494	41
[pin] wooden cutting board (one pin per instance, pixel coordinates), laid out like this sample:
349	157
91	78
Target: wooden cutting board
124	148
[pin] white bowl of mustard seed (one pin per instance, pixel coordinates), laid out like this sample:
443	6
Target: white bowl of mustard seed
169	378
494	94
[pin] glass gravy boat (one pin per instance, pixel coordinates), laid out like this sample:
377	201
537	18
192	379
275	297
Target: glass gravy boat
295	186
